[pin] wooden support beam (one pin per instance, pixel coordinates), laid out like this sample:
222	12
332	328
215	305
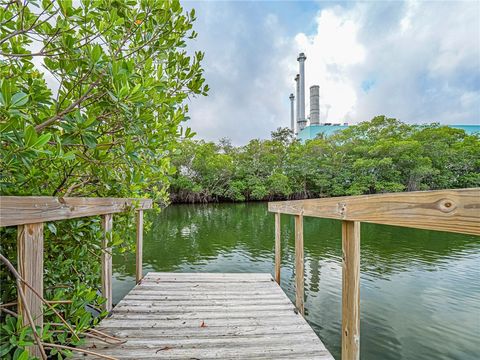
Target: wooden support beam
278	248
351	290
107	224
19	210
30	268
442	210
299	266
139	248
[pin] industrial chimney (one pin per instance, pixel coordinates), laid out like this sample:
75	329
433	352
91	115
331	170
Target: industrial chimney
301	118
314	105
292	112
297	83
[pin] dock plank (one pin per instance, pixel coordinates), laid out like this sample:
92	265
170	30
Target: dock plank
207	316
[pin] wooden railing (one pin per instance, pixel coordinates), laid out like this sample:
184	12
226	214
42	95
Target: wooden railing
29	213
446	210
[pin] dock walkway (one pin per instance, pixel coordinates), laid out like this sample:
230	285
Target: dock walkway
208	316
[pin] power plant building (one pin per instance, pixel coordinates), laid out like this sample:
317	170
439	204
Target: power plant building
307	130
299	124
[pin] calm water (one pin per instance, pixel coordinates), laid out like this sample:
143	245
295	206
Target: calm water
420	290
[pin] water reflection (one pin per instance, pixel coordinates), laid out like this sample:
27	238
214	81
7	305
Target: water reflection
419	289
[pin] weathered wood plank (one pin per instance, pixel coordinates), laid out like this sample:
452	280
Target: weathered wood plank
204	300
168	309
278	248
205	277
148	281
207	315
215	343
107	224
276	351
141	323
155	286
209	331
139	247
133	323
299	265
173	292
19	210
232	326
207	302
30	268
188	332
443	210
350	290
194	295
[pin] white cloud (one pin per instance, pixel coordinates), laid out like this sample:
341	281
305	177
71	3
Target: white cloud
331	51
406	22
245	69
416	61
422	64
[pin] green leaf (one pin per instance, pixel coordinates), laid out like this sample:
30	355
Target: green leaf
20	354
123	92
89	140
30	136
96	53
42	140
65	6
4	349
19	99
69	156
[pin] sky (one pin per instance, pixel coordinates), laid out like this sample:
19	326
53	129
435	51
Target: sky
417	61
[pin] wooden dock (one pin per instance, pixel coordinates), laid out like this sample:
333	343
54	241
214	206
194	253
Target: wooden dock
208	316
227	316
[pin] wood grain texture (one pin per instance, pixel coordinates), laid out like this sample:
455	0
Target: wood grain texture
350	290
107	225
139	247
299	264
235	326
30	268
19	210
443	210
278	248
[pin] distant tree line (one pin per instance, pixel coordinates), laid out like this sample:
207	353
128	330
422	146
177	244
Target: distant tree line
381	155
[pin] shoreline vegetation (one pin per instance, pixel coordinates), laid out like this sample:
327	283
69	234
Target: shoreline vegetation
378	156
92	104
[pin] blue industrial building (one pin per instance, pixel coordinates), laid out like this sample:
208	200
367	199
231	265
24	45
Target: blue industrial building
299	120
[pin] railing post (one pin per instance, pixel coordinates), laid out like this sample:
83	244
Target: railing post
139	248
278	248
299	267
107	223
351	290
30	268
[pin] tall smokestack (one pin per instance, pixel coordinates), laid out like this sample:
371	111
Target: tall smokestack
297	83
314	105
302	121
292	112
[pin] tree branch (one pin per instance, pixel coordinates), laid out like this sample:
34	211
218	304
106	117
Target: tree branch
19	280
48	345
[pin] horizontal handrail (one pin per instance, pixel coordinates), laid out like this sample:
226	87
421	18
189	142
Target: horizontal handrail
21	210
29	213
444	210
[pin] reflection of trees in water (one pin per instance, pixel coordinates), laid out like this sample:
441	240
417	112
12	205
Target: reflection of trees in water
195	233
386	249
